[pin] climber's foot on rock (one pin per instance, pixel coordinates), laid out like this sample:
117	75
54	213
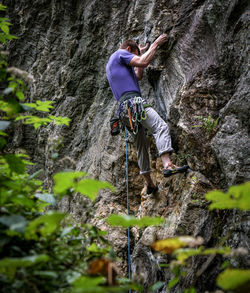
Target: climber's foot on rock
173	169
152	189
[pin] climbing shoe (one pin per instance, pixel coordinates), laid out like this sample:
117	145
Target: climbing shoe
173	169
152	189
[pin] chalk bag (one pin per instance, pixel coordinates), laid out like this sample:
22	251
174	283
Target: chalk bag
115	127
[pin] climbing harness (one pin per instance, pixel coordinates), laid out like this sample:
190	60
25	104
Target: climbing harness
129	269
136	112
135	108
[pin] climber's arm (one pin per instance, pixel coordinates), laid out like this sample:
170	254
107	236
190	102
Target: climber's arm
144	60
139	72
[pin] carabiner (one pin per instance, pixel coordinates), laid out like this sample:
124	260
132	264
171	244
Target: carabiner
134	118
135	131
144	115
143	112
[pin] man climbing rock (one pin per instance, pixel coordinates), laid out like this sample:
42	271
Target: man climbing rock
124	69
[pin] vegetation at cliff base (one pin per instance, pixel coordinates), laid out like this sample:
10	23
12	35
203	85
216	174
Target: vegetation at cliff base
41	250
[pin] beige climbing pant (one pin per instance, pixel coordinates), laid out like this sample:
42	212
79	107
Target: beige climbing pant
160	131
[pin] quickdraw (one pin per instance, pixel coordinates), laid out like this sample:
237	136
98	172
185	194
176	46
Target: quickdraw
136	112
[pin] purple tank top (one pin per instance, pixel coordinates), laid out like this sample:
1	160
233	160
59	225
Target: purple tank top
121	76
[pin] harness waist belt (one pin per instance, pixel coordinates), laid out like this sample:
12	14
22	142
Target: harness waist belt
127	96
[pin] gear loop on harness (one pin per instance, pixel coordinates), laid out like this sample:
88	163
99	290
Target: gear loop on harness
136	111
134	105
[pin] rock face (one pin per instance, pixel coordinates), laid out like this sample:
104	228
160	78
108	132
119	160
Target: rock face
202	71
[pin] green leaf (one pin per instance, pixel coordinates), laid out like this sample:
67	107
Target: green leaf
11	107
127	284
173	282
232	279
91	187
65	180
3	133
60	120
44	225
47	197
20	82
20	95
15	222
225	265
15	163
22	201
34	120
2	142
236	197
102	233
8	266
131	221
5	28
184	253
4	106
13	84
156	286
2	7
95	249
43	106
86	284
11	37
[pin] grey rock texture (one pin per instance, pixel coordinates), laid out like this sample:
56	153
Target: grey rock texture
201	71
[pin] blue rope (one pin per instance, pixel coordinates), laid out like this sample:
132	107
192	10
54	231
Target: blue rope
129	269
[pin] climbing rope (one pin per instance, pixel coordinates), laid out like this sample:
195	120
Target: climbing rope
136	113
126	139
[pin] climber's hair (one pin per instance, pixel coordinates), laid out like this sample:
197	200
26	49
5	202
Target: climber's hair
132	44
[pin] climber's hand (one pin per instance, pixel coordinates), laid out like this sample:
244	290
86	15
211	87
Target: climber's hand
161	39
143	49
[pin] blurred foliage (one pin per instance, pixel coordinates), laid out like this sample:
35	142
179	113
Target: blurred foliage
170	245
236	197
73	182
235	279
126	221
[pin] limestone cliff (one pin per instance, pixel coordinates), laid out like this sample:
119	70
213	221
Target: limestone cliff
202	71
